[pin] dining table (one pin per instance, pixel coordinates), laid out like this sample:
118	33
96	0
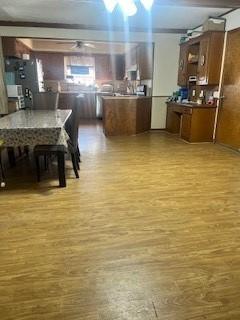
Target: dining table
34	127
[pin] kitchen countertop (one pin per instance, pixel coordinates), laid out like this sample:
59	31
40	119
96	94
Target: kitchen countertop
191	105
126	97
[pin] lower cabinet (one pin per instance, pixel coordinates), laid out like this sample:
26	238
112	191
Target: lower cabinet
191	123
186	127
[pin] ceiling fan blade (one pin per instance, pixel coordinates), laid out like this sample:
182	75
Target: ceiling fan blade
89	45
64	42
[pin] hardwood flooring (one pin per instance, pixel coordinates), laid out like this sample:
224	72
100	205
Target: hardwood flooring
151	230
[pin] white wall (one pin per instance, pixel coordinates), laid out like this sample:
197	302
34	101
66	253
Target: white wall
165	57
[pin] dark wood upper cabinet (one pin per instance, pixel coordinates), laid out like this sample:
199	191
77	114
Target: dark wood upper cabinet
118	66
109	67
210	58
53	64
103	70
182	68
201	57
14	48
145	61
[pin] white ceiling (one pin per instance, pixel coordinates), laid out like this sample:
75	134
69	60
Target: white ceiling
90	12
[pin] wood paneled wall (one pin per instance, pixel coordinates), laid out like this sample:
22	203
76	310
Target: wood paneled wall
53	64
228	130
107	67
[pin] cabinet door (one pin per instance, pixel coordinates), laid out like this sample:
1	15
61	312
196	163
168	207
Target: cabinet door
145	61
173	120
203	66
103	67
182	68
10	47
118	69
131	58
186	127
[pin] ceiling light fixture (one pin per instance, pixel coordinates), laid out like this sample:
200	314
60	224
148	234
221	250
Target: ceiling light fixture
110	4
147	4
128	7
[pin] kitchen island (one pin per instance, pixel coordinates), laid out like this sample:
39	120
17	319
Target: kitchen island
126	115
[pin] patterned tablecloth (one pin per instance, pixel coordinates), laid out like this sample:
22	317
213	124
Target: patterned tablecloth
34	127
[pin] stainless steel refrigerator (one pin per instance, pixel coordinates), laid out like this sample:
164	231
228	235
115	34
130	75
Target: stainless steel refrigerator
28	74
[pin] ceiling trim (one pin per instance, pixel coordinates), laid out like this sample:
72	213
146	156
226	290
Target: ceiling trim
234	4
85	27
200	3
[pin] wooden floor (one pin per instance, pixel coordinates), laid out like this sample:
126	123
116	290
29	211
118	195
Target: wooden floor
150	231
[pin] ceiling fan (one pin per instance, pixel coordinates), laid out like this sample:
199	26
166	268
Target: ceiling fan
78	44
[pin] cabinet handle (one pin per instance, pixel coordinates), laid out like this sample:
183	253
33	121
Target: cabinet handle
181	64
202	60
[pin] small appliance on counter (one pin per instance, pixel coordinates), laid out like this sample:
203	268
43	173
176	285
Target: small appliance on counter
141	90
14	90
15	94
107	88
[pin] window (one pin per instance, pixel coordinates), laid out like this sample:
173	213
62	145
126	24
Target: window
80	69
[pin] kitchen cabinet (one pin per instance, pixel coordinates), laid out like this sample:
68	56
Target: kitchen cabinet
109	67
210	58
201	57
14	48
53	64
131	58
103	70
173	121
193	123
141	57
118	67
186	126
182	68
145	61
126	115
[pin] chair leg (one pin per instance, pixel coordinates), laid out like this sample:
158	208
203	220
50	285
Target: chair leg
37	167
45	162
2	180
74	163
77	160
26	150
61	169
79	154
19	151
11	157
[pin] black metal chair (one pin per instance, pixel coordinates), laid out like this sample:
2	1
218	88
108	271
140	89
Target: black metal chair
46	151
45	100
72	127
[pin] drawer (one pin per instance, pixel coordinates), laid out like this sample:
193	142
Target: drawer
178	109
187	110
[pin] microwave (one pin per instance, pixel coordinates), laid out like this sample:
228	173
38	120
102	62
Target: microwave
14	91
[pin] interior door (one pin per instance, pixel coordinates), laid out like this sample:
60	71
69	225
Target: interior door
228	129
